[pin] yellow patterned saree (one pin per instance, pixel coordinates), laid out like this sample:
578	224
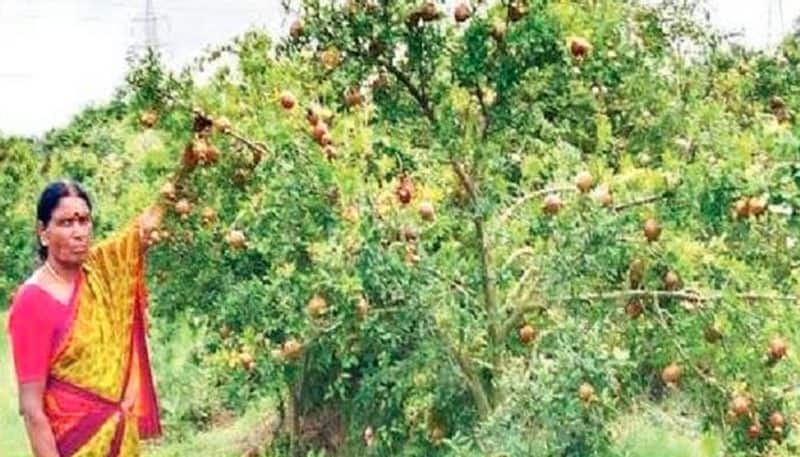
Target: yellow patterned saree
102	363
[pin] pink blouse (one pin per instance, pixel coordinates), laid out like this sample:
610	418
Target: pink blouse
37	323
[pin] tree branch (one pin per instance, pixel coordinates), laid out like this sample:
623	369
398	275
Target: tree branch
656	294
488	279
489	294
526	250
419	95
416	92
473	383
487	118
255	147
522	281
505	215
641	201
465	179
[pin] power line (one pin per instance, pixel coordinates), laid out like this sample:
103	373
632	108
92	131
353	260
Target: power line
150	21
769	24
775	13
149	24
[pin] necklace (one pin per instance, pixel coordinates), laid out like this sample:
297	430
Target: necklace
54	272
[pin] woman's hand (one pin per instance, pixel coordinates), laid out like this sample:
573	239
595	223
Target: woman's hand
149	221
40	433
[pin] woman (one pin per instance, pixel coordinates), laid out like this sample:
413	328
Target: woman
77	330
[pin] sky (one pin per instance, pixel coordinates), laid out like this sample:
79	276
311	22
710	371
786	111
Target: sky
58	56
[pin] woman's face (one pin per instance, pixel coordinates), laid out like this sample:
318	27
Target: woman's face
68	235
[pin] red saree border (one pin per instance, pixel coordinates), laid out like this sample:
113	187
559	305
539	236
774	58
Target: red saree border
149	423
80	434
73	304
116	441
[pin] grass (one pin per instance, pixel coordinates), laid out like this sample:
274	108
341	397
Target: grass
231	440
13	440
